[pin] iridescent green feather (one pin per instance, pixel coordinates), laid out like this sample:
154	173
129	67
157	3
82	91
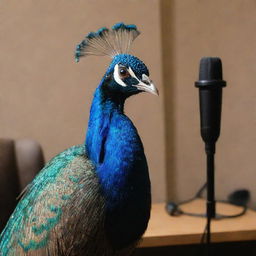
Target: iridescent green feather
40	211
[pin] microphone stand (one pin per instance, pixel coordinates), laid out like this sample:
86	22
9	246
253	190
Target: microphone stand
210	85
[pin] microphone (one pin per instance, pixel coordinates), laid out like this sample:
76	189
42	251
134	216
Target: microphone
210	85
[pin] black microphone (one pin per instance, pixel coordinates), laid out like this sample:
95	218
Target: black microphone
210	85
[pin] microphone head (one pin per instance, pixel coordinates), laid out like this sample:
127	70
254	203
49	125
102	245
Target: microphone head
210	69
210	72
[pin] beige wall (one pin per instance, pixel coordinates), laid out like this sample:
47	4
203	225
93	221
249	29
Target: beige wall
46	96
210	28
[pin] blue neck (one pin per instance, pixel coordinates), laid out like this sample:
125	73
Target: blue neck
115	148
102	110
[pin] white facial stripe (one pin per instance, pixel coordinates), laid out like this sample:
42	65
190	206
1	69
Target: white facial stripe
121	82
132	73
145	78
146	85
117	77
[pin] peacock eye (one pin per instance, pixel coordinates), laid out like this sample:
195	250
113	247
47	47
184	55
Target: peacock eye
123	72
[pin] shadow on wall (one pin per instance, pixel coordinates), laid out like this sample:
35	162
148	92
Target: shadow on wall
191	30
167	29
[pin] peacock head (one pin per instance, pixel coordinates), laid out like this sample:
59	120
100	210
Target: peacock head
127	75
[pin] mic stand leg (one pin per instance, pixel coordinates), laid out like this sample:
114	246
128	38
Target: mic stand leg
211	211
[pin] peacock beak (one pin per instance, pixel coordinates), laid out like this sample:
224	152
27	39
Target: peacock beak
146	85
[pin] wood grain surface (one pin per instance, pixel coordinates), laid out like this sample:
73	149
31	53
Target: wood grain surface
165	230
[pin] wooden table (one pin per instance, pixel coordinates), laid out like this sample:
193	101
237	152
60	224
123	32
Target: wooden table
165	230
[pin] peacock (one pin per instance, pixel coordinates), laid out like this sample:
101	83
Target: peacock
92	199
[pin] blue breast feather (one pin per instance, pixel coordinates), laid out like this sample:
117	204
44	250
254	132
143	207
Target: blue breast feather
114	146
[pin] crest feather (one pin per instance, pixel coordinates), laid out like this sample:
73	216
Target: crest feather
108	42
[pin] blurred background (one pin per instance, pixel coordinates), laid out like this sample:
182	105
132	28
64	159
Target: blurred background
46	96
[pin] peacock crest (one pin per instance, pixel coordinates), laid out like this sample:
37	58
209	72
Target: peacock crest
110	42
